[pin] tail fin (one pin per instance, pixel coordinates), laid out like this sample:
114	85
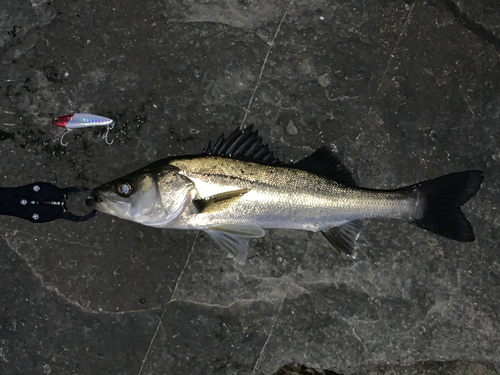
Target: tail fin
442	198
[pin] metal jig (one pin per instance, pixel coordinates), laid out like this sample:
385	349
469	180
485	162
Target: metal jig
83	120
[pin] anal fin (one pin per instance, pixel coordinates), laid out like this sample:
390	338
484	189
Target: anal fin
219	202
343	238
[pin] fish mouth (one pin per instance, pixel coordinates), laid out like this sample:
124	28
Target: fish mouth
102	202
97	202
94	202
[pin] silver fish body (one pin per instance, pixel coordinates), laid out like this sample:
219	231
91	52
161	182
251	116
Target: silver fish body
237	188
281	197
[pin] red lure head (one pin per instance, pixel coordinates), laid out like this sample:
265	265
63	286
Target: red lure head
61	121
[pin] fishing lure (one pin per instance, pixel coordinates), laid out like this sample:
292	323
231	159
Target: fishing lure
83	120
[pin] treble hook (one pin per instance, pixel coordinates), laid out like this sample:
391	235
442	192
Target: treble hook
62	137
105	136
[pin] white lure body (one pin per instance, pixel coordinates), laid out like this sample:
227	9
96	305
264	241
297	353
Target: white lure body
81	120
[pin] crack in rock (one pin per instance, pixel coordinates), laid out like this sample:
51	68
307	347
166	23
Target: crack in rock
42	282
473	26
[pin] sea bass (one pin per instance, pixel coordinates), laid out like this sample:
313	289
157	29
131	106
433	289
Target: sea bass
237	188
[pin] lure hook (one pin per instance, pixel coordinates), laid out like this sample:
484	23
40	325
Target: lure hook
62	137
105	136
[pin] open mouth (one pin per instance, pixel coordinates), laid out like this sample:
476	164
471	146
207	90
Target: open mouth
102	205
94	201
100	201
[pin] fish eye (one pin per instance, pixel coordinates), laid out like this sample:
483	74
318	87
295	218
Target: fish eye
124	189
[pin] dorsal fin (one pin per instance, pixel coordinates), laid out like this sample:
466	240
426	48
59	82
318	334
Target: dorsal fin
244	145
323	161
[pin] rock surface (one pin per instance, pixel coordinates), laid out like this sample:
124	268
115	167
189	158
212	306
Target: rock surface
406	90
422	368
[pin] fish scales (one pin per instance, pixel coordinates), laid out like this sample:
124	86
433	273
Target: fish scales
237	187
282	197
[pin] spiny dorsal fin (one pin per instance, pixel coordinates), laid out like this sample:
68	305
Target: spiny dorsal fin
343	238
323	161
218	202
244	145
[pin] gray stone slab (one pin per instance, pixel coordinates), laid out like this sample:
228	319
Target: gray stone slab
210	339
406	91
43	333
421	368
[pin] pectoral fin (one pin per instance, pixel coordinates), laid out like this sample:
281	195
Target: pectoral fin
343	238
219	202
236	245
